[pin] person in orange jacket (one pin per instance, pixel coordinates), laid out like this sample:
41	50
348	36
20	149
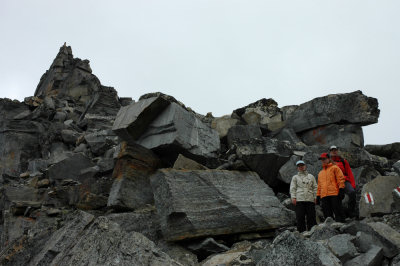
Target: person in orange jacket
350	184
330	188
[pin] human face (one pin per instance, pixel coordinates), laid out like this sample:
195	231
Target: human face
301	167
325	161
334	152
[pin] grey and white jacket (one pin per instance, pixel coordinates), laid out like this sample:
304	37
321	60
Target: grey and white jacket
303	187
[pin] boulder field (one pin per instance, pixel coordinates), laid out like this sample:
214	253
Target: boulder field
90	178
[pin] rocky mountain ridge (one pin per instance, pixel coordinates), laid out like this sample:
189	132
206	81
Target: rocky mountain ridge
88	178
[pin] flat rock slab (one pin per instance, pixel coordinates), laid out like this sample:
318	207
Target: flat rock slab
384	200
133	120
177	130
349	108
215	202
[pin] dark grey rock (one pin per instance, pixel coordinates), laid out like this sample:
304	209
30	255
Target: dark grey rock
323	231
104	243
131	187
177	130
384	200
342	246
185	163
69	168
62	240
396	167
58	152
286	134
291	249
144	221
390	151
60	116
102	108
207	247
101	141
264	156
381	235
223	124
288	170
9	109
68	77
343	136
105	164
133	120
269	106
69	136
215	202
287	111
243	132
37	165
346	108
20	141
396	261
372	257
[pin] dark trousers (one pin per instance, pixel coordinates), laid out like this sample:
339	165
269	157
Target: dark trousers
305	209
351	204
332	205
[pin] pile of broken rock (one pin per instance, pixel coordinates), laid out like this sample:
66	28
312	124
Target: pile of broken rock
88	178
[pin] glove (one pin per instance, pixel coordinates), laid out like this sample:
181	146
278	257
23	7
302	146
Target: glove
341	193
318	200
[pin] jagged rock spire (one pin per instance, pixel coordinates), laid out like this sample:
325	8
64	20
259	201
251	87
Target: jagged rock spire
68	76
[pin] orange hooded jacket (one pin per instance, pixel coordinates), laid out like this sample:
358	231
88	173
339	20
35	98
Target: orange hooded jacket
330	180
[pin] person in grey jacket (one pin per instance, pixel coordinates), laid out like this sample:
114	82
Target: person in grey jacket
303	192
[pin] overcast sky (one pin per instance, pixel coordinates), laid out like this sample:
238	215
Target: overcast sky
214	56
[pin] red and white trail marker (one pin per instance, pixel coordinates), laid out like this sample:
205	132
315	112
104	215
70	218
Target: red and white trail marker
397	190
369	199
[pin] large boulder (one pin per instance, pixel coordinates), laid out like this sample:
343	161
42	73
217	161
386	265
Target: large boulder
177	130
133	120
215	202
343	136
131	188
377	196
265	156
345	108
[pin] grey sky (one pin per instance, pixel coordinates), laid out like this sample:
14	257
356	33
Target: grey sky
214	56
